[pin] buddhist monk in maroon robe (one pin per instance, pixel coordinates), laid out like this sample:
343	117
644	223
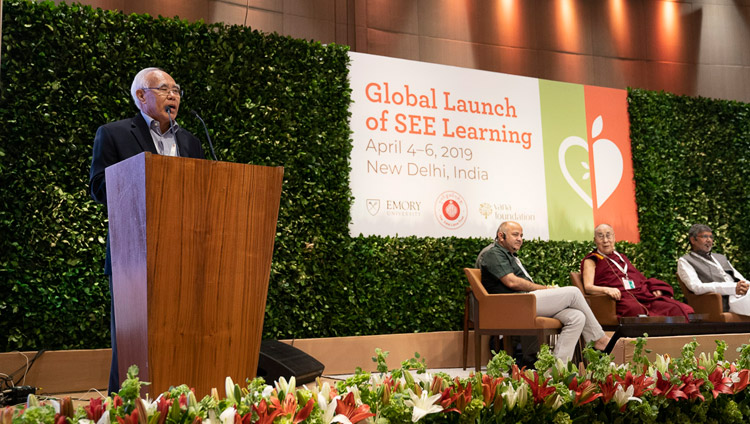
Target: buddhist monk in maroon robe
609	272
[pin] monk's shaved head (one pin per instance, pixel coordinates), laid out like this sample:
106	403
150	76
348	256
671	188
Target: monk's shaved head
604	227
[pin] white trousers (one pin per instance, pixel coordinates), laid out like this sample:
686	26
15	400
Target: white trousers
568	305
740	304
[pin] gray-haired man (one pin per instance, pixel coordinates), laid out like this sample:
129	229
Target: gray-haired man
153	129
704	271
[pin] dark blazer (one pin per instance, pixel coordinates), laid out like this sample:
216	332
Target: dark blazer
120	140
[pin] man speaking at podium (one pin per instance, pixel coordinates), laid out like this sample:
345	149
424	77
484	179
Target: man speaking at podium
154	130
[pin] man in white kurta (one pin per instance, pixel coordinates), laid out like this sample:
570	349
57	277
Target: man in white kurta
704	271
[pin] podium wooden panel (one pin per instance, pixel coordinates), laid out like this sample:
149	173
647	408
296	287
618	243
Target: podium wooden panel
191	243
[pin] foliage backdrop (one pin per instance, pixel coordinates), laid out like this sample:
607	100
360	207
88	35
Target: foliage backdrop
274	100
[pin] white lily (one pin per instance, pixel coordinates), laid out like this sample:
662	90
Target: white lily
266	393
329	411
510	397
32	401
227	417
283	386
422	405
229	390
322	393
523	395
192	401
515	397
662	363
425	378
211	419
104	418
151	405
559	366
357	397
557	403
622	396
55	405
378	379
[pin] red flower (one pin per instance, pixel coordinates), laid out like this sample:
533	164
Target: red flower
460	397
162	407
303	413
721	383
94	409
692	386
447	399
288	407
539	390
608	389
265	416
116	401
66	407
739	386
388	381
246	419
489	388
641	384
350	410
667	389
129	419
436	386
584	392
515	373
464	396
183	401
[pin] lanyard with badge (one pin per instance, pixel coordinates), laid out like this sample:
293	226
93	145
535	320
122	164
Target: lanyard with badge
627	283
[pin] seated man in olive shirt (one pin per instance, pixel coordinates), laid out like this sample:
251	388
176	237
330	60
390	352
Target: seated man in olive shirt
502	272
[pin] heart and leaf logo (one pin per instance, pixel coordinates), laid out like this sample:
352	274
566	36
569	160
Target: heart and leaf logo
607	165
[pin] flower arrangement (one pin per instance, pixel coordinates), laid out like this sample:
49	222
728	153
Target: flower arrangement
685	389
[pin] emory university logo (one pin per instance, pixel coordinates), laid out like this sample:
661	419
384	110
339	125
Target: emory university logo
373	206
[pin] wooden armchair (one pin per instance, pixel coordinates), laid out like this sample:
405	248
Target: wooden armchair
469	306
709	304
503	314
603	306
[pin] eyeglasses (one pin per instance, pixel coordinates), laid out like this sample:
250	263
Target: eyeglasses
164	90
607	236
705	236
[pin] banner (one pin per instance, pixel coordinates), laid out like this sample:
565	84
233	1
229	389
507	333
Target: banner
444	151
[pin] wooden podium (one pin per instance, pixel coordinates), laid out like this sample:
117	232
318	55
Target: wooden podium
191	243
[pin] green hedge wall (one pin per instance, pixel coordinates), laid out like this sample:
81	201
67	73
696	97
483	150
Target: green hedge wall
691	160
274	100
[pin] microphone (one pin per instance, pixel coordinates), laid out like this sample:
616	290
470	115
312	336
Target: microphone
211	145
168	109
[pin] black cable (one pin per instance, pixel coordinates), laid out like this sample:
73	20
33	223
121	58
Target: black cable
28	367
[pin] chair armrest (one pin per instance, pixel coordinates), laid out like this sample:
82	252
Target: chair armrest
708	303
509	311
604	308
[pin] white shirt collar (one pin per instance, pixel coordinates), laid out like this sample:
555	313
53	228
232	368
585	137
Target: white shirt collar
149	121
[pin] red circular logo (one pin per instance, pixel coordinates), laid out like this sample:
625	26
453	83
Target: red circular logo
450	210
